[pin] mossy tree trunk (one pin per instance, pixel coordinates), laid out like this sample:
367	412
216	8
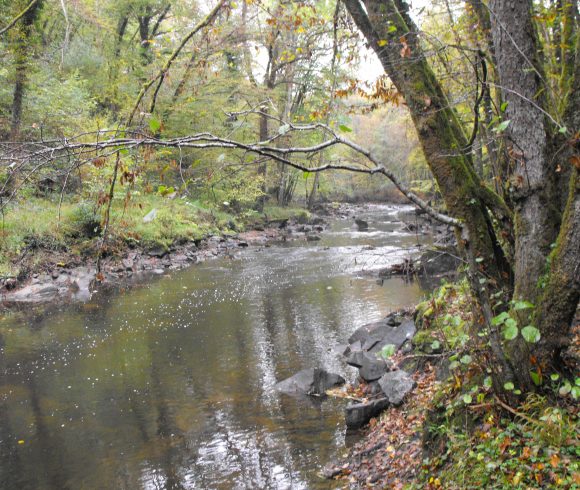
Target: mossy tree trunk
392	34
394	37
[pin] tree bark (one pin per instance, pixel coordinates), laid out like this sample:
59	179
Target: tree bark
533	180
22	51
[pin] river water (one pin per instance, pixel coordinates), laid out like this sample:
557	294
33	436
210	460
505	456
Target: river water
169	385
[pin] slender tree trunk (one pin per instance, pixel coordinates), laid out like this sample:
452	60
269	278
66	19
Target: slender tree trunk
22	53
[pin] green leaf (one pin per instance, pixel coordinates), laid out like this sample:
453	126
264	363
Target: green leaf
563	130
522	305
392	29
305	175
511	331
499	319
388	350
509	386
435	345
345	129
503	107
575	392
154	124
531	334
487	382
466	359
453	365
565	388
282	130
467	399
501	127
554	377
536	378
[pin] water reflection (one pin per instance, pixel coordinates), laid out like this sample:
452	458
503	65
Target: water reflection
169	385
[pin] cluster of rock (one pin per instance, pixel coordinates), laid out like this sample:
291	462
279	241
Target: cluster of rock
385	384
74	282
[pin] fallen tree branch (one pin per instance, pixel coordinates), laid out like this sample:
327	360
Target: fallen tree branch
47	152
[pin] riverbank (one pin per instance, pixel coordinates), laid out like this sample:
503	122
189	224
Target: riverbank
451	431
43	263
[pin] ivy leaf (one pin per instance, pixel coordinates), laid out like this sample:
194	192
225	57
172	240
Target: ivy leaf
487	382
509	386
467	399
499	319
501	127
531	334
536	378
523	305
345	129
510	332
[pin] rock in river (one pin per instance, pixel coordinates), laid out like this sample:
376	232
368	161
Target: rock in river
384	332
358	414
370	367
312	381
396	385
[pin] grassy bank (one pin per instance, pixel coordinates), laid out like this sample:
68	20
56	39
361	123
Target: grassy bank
36	231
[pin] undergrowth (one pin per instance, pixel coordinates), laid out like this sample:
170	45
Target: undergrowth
472	439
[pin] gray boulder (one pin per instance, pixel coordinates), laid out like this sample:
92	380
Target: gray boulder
396	385
312	381
370	367
385	331
358	414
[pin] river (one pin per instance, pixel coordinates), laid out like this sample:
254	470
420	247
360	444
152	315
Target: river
169	384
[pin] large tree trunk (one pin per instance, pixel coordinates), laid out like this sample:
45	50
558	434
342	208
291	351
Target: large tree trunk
532	182
392	34
444	144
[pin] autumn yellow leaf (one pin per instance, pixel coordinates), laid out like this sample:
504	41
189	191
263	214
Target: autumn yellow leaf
382	42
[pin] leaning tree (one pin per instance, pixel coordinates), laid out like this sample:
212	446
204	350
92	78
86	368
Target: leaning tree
525	246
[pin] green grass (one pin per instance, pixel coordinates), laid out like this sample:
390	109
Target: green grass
32	226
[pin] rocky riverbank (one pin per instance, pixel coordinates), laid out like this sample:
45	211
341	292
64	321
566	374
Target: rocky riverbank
67	277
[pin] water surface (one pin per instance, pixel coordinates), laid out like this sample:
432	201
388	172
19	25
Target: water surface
169	385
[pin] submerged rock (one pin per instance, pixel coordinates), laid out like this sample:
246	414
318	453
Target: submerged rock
312	381
396	385
361	224
358	414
